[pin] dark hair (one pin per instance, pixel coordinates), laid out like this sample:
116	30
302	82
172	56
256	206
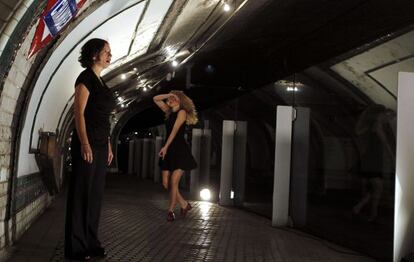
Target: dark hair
90	50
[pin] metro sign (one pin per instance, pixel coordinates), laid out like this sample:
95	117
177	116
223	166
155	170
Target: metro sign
57	14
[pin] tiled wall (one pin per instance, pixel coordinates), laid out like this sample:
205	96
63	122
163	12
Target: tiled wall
29	213
31	200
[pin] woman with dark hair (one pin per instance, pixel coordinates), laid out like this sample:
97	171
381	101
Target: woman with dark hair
91	153
176	155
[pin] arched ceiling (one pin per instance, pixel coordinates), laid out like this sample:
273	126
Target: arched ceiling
256	42
132	28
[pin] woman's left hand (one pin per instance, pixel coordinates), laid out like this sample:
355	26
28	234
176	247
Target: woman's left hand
163	152
110	155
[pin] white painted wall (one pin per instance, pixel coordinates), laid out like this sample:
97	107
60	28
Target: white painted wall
118	31
404	182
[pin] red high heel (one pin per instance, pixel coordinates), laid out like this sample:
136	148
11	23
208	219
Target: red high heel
170	216
185	210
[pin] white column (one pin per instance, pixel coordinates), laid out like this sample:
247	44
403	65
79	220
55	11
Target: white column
284	118
195	150
205	157
300	167
157	170
404	181
138	157
151	158
226	177
239	162
145	157
131	150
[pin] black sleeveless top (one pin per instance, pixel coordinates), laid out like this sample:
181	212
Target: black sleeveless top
179	153
101	102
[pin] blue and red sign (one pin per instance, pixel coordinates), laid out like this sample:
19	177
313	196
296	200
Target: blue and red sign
57	14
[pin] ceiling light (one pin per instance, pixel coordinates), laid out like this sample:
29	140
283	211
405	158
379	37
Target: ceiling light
174	63
123	76
145	89
170	52
292	89
122	105
226	7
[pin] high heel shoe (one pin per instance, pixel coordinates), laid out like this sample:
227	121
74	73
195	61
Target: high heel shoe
185	210
170	216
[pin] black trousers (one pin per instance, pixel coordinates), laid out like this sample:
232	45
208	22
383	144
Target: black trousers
84	200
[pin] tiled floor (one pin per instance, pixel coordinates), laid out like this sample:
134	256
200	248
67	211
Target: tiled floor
134	228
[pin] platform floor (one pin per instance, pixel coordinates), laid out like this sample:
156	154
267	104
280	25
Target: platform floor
134	228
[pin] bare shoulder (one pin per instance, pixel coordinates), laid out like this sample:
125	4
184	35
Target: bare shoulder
182	112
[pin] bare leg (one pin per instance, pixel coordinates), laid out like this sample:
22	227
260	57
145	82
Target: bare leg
175	180
165	176
180	199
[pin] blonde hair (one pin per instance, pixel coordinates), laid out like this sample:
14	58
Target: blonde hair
187	104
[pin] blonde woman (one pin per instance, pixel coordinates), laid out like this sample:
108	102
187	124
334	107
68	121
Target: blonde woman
176	154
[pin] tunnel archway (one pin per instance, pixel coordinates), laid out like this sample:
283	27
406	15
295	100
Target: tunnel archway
37	92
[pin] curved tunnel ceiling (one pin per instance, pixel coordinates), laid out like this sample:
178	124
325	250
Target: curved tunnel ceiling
130	27
147	35
375	71
133	28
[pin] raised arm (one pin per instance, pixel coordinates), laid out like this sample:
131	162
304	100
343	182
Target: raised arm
159	101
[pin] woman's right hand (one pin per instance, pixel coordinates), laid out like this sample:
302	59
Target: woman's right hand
86	152
163	152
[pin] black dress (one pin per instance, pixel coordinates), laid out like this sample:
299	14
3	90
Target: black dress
178	154
87	181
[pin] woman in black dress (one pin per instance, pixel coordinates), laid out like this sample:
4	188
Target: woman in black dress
91	153
176	155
